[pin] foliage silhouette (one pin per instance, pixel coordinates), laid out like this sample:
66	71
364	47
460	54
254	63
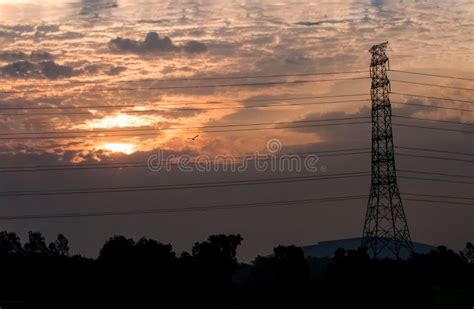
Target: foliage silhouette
214	261
468	253
134	273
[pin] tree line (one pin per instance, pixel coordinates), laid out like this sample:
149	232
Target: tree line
135	272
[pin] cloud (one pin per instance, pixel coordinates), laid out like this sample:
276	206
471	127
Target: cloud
115	70
321	22
44	69
6	34
298	59
94	6
40	64
22	28
195	47
40	55
48	28
153	43
153	21
9	56
52	70
35	56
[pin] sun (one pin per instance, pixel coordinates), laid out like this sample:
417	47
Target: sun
120	148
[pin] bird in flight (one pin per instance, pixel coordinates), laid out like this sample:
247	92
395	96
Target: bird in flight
193	138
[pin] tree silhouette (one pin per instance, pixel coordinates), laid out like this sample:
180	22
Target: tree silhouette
155	260
117	249
291	266
10	244
36	245
154	252
210	276
215	259
60	247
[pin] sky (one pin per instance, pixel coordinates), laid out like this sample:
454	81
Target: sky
57	55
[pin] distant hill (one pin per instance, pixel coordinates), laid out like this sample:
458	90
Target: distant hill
327	248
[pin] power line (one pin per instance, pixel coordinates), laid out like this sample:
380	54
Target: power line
229	107
432	128
71	167
436	150
214	126
183	209
190	109
187	128
432	75
430	85
195	86
434	158
286	203
440	202
180	133
337	152
181	109
434	120
434	106
185	79
13	137
202	185
437	180
123	165
440	196
95	106
128	189
432	173
430	97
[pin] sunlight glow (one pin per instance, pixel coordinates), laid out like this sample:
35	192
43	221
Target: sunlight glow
119	121
120	148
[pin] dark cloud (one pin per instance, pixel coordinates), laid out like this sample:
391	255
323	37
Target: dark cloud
297	59
98	68
197	32
92	68
19	69
9	56
52	70
153	43
321	22
39	64
93	6
44	69
153	21
35	56
195	47
40	56
48	28
22	28
115	70
6	34
12	31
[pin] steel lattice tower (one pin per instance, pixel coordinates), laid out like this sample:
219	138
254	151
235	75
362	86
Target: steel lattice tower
385	228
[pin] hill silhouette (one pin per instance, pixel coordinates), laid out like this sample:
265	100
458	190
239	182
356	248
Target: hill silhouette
327	248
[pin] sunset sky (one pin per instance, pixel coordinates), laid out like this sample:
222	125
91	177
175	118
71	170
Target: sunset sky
56	55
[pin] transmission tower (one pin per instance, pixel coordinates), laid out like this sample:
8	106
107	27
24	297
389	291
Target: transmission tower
385	228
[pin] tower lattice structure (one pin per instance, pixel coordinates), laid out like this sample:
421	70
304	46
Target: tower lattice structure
385	229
